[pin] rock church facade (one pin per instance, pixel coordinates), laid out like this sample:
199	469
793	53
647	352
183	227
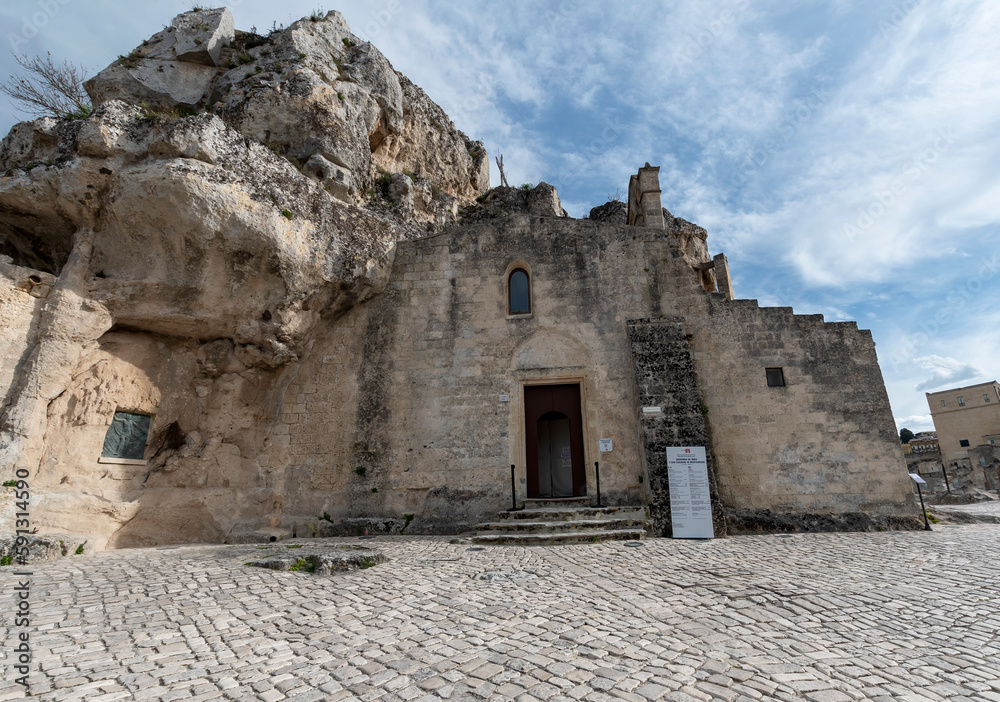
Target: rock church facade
303	310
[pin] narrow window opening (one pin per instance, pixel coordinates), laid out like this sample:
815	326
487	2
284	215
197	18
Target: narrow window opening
963	443
944	403
519	292
775	377
126	437
961	402
986	398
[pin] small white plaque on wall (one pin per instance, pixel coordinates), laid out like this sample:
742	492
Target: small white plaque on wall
690	498
504	397
605	445
652	410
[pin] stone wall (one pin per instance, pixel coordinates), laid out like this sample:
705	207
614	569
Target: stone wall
665	378
408	386
825	441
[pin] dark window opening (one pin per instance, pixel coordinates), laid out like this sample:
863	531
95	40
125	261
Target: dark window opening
961	402
986	398
519	293
963	443
126	437
775	377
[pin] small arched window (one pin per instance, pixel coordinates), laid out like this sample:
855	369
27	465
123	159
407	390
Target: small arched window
518	292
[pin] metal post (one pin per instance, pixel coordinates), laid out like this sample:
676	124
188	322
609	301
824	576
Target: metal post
597	471
513	490
944	470
927	524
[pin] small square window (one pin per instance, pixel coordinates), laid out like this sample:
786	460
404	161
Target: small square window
961	402
986	398
963	443
944	403
775	377
126	437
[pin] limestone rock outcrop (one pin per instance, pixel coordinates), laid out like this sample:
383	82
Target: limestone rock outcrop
173	253
313	92
173	68
614	211
541	200
692	239
198	232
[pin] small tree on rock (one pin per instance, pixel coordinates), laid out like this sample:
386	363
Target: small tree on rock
47	88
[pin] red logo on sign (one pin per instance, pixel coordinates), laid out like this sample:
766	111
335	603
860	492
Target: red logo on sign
687	450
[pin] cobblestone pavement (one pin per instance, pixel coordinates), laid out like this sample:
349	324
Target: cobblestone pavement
821	617
991	508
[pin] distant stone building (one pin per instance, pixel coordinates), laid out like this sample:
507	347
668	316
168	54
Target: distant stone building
304	311
965	418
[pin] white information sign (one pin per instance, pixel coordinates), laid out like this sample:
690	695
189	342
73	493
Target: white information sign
605	445
690	498
917	479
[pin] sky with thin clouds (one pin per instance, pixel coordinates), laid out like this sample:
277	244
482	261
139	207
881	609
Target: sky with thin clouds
843	154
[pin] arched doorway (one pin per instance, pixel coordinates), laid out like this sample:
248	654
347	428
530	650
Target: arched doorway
554	441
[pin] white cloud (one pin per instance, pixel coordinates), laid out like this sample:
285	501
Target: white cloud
915	423
946	372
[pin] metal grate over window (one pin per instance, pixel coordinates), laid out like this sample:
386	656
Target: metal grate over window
126	437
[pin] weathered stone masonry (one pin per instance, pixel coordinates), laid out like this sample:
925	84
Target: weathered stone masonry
286	286
665	378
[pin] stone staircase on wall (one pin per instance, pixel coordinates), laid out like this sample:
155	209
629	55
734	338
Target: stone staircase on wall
563	521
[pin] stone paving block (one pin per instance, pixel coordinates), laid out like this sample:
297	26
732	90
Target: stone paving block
827	696
486	671
611	628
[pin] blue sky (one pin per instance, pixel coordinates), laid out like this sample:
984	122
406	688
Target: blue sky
843	154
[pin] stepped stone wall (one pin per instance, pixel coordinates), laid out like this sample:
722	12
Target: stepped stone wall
821	441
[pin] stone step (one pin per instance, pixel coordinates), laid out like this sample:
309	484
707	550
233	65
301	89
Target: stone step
557	538
561	502
550	527
554	514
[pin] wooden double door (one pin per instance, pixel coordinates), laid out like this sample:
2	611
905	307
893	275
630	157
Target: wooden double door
553	429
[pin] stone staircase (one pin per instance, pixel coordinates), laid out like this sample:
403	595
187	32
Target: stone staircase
563	521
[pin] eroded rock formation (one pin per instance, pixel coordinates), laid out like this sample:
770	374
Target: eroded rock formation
173	253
